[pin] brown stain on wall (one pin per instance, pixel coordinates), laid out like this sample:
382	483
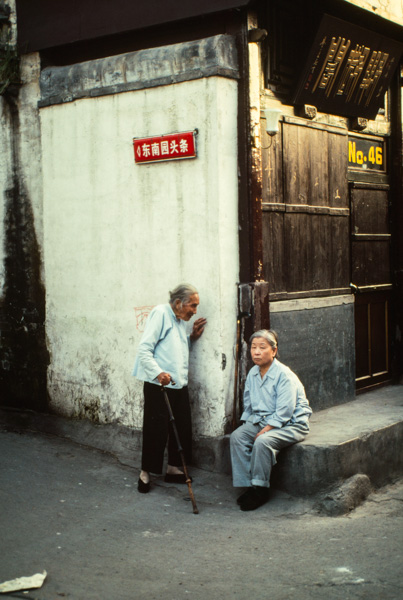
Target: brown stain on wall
23	353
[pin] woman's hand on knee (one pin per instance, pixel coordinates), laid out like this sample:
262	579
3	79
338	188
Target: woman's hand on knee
264	430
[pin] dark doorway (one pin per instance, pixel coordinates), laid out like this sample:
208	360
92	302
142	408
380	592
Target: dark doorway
371	281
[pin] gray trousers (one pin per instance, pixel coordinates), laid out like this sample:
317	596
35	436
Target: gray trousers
252	460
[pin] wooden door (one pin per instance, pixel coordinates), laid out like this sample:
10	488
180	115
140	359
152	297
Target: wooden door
305	211
371	281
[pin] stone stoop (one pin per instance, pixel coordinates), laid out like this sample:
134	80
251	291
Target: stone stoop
360	437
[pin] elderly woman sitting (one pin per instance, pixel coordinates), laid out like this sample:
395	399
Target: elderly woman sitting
276	414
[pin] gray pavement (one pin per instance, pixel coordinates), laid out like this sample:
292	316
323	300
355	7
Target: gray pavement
75	512
362	436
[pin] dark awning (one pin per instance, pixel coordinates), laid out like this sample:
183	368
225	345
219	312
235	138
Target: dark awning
44	24
348	69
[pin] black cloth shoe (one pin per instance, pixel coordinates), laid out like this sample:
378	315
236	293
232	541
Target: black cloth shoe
258	496
142	487
176	478
244	496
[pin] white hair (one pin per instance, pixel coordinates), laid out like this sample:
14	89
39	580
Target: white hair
182	293
268	334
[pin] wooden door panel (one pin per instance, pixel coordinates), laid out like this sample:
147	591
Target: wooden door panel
306	168
340	253
274	267
362	365
369	212
372	338
305	210
272	168
371	276
379	341
338	187
370	262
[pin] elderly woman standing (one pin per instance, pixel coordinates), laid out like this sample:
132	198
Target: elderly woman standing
276	414
163	359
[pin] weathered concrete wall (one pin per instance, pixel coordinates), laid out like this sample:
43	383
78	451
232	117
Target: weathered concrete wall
23	355
5	178
22	307
388	9
317	342
118	236
154	67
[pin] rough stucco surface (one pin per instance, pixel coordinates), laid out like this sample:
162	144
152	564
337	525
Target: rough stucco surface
23	355
118	236
5	178
388	9
139	70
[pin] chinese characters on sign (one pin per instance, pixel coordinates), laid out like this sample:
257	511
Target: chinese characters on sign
348	69
174	146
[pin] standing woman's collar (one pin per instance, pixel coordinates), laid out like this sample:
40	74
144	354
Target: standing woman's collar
178	320
172	312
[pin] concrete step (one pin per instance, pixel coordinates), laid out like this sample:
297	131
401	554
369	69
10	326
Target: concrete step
360	437
364	436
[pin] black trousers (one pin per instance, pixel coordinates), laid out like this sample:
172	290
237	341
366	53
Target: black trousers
157	429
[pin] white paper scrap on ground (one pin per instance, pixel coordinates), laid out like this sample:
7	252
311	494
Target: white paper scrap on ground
23	583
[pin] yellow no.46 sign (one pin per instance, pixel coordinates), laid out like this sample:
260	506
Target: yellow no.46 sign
365	153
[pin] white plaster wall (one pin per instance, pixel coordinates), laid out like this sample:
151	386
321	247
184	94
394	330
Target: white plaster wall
5	179
388	9
6	151
30	141
118	236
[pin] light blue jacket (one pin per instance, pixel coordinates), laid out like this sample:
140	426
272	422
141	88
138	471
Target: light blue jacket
164	347
278	399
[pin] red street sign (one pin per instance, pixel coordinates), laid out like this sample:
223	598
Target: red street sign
173	146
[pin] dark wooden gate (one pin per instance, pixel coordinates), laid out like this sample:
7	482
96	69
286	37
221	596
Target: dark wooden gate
371	281
305	211
323	236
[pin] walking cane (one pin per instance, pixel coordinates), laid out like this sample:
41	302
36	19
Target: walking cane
180	450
